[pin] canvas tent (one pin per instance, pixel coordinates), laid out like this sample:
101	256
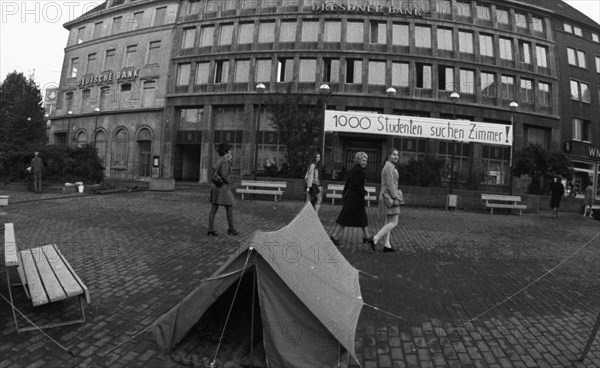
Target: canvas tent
308	294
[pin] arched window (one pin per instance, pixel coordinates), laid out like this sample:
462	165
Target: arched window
101	145
144	140
81	139
120	152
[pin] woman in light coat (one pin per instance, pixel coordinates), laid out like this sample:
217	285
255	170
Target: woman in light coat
389	185
314	195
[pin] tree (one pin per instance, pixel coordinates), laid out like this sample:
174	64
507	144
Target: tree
22	123
541	166
299	122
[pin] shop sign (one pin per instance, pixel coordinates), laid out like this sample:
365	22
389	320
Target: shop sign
110	77
367	9
581	150
418	127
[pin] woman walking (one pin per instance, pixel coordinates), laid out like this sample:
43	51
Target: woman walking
557	190
353	213
221	195
313	185
389	200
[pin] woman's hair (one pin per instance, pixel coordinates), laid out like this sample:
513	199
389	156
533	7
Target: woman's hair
359	156
313	159
223	148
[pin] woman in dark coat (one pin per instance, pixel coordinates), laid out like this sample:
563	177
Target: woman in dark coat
353	213
557	190
222	196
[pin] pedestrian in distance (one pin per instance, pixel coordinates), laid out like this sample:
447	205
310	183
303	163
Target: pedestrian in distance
588	199
314	192
389	200
557	190
353	213
36	169
221	195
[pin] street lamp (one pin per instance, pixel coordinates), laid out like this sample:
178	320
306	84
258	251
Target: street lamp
513	107
454	97
260	89
47	117
70	113
391	91
97	110
324	90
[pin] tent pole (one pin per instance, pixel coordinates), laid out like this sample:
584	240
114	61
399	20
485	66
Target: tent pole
252	321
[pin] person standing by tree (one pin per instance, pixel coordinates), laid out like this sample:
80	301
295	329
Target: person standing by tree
557	190
36	169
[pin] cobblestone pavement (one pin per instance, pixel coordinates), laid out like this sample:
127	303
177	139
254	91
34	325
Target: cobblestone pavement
465	289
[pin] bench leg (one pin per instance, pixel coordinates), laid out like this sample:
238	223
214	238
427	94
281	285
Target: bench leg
50	325
491	210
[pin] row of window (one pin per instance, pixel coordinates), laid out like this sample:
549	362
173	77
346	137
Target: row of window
420	75
578	58
125	95
582	130
109	61
308	30
576	30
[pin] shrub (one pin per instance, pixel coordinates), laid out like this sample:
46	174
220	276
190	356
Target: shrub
424	171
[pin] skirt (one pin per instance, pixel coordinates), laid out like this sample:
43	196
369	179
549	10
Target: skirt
385	210
221	196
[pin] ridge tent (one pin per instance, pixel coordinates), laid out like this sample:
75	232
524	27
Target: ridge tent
308	293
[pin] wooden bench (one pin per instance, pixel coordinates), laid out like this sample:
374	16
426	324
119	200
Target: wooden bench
45	275
275	188
334	191
503	201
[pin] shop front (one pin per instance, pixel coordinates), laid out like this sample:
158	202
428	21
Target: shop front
586	167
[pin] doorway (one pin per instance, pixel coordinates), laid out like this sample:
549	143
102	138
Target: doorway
372	148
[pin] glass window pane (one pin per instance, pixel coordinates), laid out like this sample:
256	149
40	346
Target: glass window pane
183	75
400	74
465	42
488	85
263	70
226	34
308	70
202	73
377	72
355	32
333	31
189	37
287	32
206	37
310	31
266	32
486	46
245	33
542	56
242	71
467	81
423	37
506	49
444	39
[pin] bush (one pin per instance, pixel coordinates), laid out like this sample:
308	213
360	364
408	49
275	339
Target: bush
423	172
61	164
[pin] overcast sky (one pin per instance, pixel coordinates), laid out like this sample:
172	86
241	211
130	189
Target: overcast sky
32	37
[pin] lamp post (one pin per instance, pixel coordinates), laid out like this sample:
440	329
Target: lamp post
454	97
324	90
47	118
97	110
260	88
513	107
70	113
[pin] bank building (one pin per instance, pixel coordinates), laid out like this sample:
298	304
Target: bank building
156	85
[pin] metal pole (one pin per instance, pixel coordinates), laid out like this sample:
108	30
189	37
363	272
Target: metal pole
256	139
70	113
323	145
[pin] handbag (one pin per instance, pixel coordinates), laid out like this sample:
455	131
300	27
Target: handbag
389	201
216	178
400	197
314	189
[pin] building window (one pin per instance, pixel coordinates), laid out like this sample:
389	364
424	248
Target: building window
467	81
69	101
400	74
245	33
586	131
483	12
183	74
86	100
81	139
597	64
353	71
506	51
74	67
137	21
226	36
525	48
378	33
423	37
193	116
159	16
443	7
81	35
105	94
263	70
98	30
595	37
400	33
488	84
149	93
446	78
207	36
465	42
202	73
333	31
120	153
91	64
310	31
355	32
423	77
580	91
526	92
221	71
486	45
195	7
308	70
101	146
495	161
285	69
331	70
287	32
242	71
444	39
266	32
154	53
521	20
130	56
376	72
537	24
507	88
543	94
577	129
456	156
189	38
581	59
463	8
567	28
109	59
542	56
502	16
577	31
116	26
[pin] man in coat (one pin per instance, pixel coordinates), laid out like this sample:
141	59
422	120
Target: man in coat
36	169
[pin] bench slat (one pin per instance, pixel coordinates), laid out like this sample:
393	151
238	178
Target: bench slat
259	191
10	246
268	184
498	197
501	205
36	290
66	279
81	284
53	288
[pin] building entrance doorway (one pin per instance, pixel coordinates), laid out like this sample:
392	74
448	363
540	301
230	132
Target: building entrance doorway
144	160
187	162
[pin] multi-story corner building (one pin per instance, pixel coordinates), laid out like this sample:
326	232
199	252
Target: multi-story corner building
113	84
396	57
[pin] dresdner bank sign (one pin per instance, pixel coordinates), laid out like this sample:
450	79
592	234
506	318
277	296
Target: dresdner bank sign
418	127
326	7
